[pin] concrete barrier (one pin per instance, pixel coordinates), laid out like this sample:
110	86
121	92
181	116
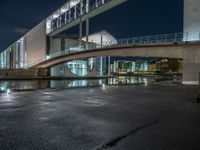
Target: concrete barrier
22	73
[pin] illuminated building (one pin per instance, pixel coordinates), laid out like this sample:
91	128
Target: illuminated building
154	65
126	67
43	41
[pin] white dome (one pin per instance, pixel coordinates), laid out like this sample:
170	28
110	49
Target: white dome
102	37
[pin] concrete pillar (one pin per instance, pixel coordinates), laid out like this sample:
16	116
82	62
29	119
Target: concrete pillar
191	65
192	19
93	72
57	70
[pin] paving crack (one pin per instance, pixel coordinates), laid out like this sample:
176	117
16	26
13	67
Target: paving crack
118	139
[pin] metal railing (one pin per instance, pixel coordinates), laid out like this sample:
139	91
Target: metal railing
159	39
141	40
132	41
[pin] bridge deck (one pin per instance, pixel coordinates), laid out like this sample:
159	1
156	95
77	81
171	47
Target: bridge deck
170	50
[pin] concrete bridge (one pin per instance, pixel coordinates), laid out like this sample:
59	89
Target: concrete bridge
189	52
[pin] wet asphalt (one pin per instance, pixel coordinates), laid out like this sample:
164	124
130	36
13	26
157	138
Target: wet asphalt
153	117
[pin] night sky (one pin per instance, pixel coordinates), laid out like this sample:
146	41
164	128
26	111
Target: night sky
133	18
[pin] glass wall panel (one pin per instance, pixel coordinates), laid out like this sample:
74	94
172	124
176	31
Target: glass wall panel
1	60
81	67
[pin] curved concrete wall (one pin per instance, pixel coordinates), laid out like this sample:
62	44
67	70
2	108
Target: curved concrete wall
56	71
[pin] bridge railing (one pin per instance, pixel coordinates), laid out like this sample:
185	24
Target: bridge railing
75	49
131	41
160	39
140	40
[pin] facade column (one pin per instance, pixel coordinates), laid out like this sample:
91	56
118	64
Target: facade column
87	32
69	13
191	65
65	17
81	23
101	40
96	3
80	31
75	12
87	24
87	6
101	66
109	65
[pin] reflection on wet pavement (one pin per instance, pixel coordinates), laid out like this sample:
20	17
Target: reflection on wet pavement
6	86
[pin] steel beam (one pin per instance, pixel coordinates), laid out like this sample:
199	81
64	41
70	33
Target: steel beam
106	6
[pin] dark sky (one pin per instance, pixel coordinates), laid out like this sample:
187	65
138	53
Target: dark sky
133	18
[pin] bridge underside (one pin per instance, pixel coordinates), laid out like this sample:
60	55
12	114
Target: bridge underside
188	52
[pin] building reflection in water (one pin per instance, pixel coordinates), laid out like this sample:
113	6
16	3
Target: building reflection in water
130	80
23	85
73	83
61	84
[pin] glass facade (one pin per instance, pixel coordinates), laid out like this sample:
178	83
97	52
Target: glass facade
82	67
13	56
123	66
21	53
24	52
5	59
